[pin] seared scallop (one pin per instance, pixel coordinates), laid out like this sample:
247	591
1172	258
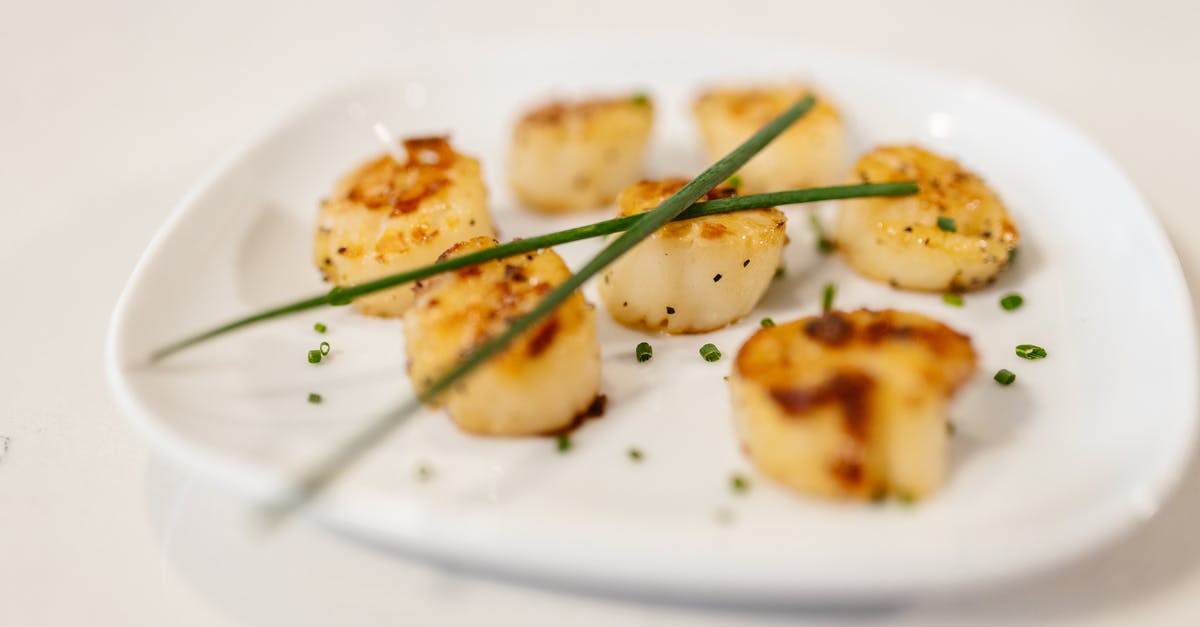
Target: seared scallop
693	275
954	234
386	217
810	153
569	156
850	404
546	378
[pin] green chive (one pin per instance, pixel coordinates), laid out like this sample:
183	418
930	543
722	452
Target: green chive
1012	254
734	181
339	296
739	483
312	482
767	322
779	272
1029	351
564	443
710	352
827	294
1012	302
641	98
947	224
324	348
314	357
950	298
635	454
824	244
644	351
320	327
314	398
1004	377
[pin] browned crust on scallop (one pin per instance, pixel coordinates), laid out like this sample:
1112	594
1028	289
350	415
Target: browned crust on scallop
384	184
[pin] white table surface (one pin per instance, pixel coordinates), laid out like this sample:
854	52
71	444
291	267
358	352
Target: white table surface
109	112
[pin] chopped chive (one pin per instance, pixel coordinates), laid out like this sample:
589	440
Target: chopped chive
644	351
324	348
1004	377
1030	351
564	443
314	398
739	483
824	244
827	295
640	98
947	224
1012	302
635	454
767	322
320	327
734	181
314	357
779	272
1012	254
950	298
338	297
710	352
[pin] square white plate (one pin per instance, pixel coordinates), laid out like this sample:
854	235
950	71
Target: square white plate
1085	444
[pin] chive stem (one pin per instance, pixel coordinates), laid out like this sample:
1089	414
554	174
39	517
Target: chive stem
343	295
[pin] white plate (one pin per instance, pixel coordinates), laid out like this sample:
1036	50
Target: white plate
1086	444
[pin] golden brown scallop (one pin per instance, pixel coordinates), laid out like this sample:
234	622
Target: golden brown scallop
850	404
386	217
953	235
693	275
810	153
569	156
543	381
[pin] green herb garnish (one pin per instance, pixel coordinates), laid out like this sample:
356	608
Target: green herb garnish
767	322
635	454
320	327
827	294
324	346
739	483
644	351
824	244
641	99
947	224
1029	351
734	181
951	298
1012	302
563	443
314	357
710	352
1004	377
314	398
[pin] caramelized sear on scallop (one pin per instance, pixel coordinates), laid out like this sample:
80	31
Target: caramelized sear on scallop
387	217
953	235
543	382
850	404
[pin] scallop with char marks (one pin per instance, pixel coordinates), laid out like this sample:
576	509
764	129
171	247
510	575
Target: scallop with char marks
850	404
387	217
546	378
953	235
